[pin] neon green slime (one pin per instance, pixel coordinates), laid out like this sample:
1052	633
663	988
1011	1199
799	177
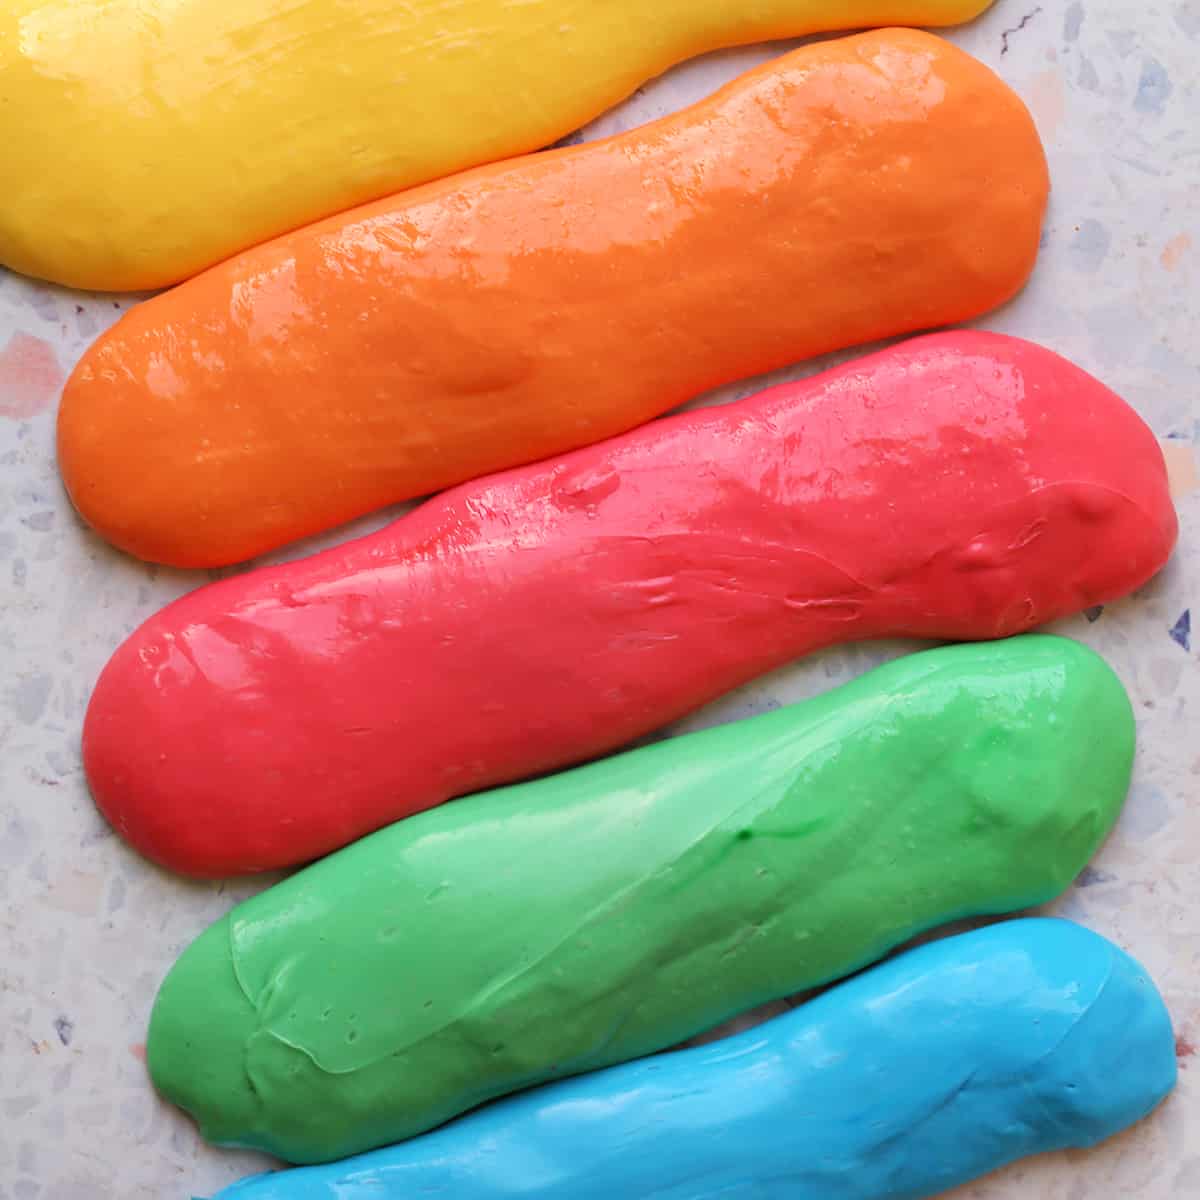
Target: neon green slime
565	924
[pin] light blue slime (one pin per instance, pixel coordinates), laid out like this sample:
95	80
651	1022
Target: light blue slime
930	1070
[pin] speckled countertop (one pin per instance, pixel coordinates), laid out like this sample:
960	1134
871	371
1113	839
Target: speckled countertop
87	929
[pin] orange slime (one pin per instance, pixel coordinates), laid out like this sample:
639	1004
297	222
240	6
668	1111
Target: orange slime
851	190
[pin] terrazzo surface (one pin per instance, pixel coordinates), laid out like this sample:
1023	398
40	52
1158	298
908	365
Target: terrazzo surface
87	929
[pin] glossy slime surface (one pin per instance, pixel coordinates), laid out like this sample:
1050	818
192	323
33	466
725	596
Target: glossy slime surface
937	1067
596	916
536	306
960	486
200	127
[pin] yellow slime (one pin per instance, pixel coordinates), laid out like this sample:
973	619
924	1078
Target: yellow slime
144	140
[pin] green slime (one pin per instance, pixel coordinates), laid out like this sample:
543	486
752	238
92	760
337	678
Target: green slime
594	916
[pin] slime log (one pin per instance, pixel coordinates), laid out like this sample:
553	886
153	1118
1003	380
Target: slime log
591	917
848	191
921	1074
197	128
961	486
